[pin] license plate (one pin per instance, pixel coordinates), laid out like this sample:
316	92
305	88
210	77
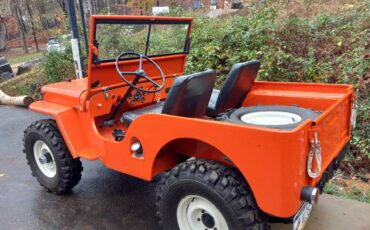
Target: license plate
300	219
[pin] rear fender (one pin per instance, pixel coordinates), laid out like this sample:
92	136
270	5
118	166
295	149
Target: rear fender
67	118
178	150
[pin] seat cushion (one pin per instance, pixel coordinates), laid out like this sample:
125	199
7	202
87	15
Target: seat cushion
129	116
189	95
235	88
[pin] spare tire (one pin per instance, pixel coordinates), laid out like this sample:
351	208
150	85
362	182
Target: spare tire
271	116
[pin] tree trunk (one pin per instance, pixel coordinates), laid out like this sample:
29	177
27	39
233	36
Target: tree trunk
32	26
17	13
2	36
62	6
90	6
77	8
108	7
19	101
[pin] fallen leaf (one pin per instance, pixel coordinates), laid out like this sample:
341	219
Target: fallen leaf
348	6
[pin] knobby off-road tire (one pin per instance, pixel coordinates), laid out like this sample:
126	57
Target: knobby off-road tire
215	186
62	172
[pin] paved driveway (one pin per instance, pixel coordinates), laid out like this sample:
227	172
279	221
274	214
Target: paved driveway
105	199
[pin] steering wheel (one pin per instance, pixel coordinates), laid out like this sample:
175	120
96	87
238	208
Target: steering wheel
139	73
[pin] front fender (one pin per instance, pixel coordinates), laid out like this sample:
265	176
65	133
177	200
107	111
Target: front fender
68	122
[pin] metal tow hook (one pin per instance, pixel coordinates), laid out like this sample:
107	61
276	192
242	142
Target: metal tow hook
315	150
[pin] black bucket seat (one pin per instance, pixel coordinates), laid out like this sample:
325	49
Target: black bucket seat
235	88
188	97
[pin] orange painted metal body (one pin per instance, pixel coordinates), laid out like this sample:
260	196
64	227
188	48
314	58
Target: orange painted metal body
272	161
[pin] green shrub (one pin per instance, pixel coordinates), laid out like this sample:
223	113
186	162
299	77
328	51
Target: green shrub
330	48
58	66
219	43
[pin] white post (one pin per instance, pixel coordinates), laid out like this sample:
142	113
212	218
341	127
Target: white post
76	57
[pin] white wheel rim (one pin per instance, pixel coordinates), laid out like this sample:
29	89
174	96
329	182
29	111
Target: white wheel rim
196	212
42	152
271	118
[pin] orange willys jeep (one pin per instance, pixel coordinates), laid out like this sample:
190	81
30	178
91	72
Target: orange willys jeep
250	153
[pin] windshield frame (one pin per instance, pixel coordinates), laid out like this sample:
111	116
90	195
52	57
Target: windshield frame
148	22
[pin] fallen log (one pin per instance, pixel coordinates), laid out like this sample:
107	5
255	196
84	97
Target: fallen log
19	100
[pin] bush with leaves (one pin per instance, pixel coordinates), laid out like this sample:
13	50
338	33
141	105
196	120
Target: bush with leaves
330	48
58	66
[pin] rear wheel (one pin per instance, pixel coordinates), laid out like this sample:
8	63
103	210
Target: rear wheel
200	194
49	158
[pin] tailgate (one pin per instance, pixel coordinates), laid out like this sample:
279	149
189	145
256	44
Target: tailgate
333	131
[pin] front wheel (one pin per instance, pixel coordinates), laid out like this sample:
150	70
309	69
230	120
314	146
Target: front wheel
200	194
49	158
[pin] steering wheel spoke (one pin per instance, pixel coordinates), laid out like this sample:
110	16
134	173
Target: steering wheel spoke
128	73
152	81
140	72
141	62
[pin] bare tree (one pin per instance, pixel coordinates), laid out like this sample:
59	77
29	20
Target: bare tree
91	7
32	25
17	12
2	34
4	11
5	8
62	5
145	5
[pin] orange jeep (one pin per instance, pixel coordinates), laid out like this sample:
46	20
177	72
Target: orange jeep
234	158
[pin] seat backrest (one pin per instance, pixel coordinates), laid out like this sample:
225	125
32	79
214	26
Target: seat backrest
237	85
189	95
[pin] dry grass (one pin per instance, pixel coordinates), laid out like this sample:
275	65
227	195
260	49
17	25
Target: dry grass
349	187
29	84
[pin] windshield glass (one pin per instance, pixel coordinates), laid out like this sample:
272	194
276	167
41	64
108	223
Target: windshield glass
151	39
167	39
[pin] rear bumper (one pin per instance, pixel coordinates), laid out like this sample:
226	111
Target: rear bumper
326	176
334	165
